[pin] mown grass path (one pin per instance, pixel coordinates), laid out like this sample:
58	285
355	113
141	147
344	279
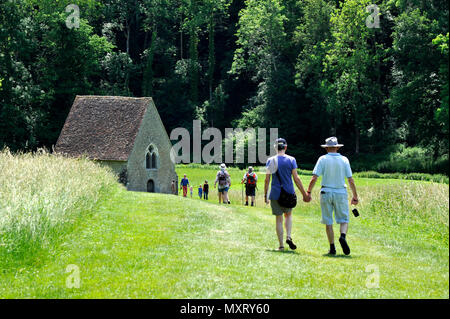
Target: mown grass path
140	245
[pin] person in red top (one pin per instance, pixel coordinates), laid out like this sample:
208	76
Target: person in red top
250	179
184	185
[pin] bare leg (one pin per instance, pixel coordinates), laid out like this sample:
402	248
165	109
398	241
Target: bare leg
330	233
220	197
279	225
344	228
288	224
253	199
225	197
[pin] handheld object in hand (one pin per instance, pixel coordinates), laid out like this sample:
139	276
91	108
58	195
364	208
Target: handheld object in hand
355	212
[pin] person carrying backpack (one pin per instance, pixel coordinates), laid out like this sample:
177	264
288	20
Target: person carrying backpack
250	179
224	182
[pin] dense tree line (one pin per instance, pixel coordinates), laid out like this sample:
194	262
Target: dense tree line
312	68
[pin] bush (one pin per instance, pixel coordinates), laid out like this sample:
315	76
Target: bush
41	196
437	178
401	159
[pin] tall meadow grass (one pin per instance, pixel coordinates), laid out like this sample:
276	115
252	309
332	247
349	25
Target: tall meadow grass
421	208
42	196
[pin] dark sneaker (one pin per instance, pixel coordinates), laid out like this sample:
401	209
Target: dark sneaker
291	243
344	245
332	252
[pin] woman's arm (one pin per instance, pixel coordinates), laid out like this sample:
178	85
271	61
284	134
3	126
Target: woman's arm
266	186
299	184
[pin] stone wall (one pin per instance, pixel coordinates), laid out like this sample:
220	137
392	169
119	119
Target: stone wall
116	166
151	132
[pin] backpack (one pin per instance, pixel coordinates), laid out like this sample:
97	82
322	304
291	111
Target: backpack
222	178
251	180
286	199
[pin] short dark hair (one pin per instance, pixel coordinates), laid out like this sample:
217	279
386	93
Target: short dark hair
280	144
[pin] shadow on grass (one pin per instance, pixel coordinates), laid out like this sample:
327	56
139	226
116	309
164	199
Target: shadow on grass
282	251
338	256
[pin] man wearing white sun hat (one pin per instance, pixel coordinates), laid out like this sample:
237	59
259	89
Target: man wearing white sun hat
333	195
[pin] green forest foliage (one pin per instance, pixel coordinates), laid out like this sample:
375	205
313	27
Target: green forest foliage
312	68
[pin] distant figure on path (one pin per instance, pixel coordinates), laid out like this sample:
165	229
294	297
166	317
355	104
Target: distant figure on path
250	179
191	190
174	187
282	168
333	195
200	191
184	185
205	190
224	181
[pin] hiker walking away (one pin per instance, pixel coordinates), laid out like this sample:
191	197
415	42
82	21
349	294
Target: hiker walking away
174	187
282	168
191	190
250	179
184	185
224	182
205	190
200	191
333	195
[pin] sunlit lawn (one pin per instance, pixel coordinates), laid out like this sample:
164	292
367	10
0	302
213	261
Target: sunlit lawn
139	245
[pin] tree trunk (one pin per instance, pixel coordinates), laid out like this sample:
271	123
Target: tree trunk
181	36
193	56
128	38
356	140
211	60
147	83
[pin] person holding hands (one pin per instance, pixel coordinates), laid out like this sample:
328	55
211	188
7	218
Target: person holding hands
334	168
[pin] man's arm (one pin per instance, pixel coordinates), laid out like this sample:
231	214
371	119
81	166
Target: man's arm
311	185
355	199
266	186
299	184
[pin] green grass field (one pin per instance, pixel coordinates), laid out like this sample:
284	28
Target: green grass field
140	245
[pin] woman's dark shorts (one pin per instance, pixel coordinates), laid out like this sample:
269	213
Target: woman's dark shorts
249	191
277	209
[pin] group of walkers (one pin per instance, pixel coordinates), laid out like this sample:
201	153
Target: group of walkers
223	184
203	191
281	171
